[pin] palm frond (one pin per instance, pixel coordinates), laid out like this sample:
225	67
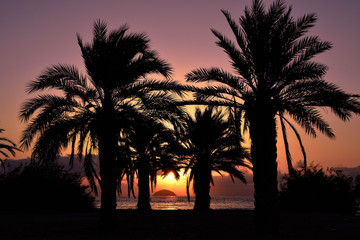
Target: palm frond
286	144
59	76
99	31
238	61
53	104
299	141
90	171
148	63
309	117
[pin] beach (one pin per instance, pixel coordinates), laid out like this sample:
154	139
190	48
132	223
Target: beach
180	224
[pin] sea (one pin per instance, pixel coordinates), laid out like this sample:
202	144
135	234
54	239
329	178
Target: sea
182	203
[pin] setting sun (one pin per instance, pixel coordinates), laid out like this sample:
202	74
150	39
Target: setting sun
170	177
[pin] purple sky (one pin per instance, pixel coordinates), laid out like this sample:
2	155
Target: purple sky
36	34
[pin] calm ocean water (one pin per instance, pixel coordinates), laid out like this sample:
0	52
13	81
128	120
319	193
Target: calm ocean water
181	203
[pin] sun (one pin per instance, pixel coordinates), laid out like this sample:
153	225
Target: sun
170	177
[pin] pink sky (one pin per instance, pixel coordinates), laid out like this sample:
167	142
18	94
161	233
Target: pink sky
36	34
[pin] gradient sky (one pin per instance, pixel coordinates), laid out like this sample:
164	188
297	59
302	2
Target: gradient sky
36	34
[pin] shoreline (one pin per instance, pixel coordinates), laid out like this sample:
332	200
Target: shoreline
182	203
175	224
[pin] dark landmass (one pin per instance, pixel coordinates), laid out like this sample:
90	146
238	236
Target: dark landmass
181	224
164	193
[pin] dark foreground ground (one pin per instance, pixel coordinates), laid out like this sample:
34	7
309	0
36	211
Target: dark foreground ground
217	224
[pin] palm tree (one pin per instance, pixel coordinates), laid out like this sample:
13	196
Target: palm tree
152	148
210	145
90	110
275	78
6	147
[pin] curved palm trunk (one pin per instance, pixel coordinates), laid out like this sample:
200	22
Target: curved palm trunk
264	154
202	177
143	184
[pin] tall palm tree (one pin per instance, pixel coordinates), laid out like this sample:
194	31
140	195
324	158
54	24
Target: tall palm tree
152	147
210	145
88	111
275	78
6	147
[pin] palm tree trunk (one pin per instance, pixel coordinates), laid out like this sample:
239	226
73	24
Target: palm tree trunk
202	178
143	184
108	179
264	154
107	159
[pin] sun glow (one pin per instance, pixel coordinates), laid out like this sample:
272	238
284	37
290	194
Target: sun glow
170	177
169	182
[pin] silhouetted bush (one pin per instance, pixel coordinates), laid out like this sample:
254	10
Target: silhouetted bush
318	190
43	188
357	187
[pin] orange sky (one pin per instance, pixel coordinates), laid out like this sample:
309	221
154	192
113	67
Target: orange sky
178	187
223	186
36	34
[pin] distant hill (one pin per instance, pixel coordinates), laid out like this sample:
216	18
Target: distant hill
11	164
352	172
164	193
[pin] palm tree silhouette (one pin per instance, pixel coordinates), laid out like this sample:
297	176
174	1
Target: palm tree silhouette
91	110
275	78
6	147
210	145
151	146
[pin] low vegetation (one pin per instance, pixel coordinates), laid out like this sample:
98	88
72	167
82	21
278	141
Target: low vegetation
319	190
43	188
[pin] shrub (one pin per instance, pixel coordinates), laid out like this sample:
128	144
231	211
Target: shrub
357	187
43	188
318	190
